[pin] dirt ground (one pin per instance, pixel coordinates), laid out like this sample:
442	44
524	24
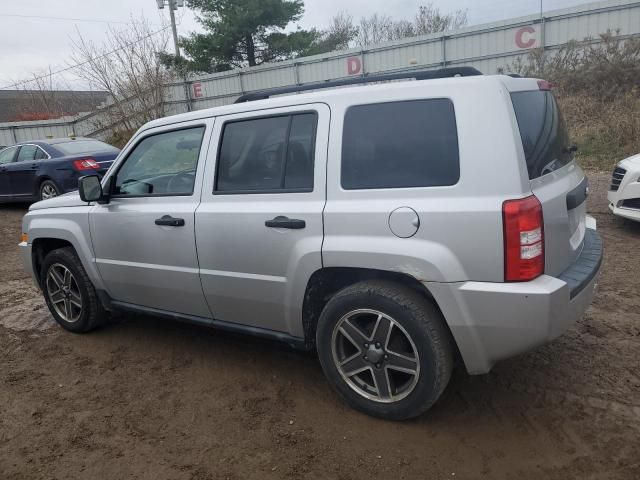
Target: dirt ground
148	399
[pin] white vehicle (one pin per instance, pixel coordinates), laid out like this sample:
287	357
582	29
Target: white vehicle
624	192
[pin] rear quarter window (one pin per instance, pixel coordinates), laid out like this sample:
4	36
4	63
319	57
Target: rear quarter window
400	145
543	132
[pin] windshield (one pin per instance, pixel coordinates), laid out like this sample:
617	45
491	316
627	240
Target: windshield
73	147
543	132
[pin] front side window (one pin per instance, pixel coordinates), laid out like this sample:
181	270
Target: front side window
6	155
161	164
400	145
267	154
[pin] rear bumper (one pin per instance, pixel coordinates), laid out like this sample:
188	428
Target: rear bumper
493	321
70	183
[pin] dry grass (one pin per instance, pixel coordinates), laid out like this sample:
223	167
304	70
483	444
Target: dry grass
598	87
605	131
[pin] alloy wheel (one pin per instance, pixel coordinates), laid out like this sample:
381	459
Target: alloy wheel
64	293
375	355
48	191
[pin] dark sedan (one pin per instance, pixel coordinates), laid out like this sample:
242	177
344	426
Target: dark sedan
42	169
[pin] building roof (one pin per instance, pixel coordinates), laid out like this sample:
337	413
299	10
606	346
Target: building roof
20	105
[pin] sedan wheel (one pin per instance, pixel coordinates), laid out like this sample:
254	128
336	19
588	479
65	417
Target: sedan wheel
48	190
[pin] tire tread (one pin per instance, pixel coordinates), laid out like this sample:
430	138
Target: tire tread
429	318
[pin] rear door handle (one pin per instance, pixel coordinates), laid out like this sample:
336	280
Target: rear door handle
285	222
169	221
34	166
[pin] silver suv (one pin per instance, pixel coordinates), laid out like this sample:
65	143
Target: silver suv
395	228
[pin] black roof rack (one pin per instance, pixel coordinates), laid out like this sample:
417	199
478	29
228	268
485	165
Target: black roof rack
417	74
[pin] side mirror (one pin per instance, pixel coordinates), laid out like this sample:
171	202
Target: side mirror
90	188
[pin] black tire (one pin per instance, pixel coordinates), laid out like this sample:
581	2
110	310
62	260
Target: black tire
417	317
48	186
91	314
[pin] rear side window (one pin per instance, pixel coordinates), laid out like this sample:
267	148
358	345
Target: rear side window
543	132
270	154
27	152
400	145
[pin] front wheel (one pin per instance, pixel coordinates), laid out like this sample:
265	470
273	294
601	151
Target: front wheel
69	293
385	349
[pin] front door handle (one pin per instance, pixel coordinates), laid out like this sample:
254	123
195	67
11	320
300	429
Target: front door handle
169	221
285	222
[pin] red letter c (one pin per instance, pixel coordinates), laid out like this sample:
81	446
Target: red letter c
521	42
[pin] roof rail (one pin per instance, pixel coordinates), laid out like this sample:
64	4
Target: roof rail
416	74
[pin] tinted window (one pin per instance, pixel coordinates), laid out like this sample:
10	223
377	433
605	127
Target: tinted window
73	147
400	144
6	156
27	152
162	164
542	130
299	164
267	154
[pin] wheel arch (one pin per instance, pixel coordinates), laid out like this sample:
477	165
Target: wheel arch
41	247
326	282
40	180
45	237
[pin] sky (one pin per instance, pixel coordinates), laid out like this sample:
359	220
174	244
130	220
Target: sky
35	35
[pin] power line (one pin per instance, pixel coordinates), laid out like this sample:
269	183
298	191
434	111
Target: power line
67	19
77	65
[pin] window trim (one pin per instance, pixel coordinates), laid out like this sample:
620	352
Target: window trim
269	191
114	175
15	157
382	189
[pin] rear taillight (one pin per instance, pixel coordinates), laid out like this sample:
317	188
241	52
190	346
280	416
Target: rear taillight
86	164
544	85
523	239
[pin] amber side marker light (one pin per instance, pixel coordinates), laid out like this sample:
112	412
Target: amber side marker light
24	238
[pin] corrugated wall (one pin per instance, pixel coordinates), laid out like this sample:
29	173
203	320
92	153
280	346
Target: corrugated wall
488	47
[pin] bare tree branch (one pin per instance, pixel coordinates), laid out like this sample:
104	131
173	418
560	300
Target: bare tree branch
127	66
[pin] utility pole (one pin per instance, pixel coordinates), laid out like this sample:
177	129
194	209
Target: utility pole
172	15
173	5
542	34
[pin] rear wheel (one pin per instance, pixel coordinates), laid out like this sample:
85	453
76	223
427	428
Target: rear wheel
385	349
69	293
48	189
